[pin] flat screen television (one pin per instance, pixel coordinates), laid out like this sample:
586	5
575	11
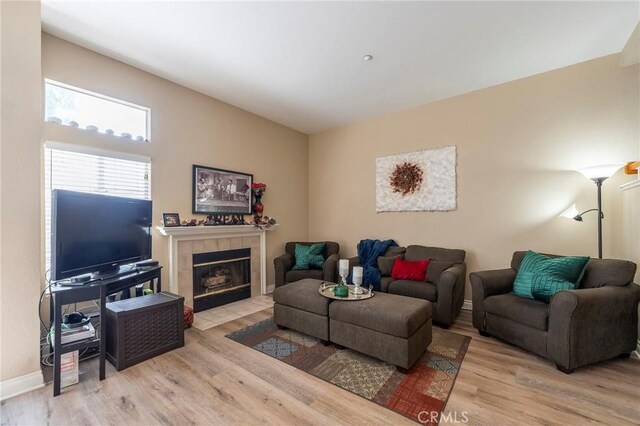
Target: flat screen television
93	233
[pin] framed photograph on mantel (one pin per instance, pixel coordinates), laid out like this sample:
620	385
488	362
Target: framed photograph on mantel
170	220
219	191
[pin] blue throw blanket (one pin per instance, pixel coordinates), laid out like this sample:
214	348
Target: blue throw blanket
368	251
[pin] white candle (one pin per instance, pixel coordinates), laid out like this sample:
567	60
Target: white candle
358	271
343	267
357	275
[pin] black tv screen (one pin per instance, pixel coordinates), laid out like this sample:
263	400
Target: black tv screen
94	233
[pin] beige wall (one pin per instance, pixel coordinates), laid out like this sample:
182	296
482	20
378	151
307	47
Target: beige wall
631	229
518	144
20	152
189	128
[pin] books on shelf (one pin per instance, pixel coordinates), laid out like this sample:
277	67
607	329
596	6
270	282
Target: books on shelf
70	335
69	369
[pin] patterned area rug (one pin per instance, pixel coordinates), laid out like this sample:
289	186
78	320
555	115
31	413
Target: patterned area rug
418	395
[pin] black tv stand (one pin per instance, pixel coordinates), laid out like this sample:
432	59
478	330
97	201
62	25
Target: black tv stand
100	289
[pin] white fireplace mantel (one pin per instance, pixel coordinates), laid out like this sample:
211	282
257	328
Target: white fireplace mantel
192	233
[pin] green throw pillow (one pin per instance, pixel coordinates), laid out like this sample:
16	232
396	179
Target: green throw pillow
309	257
540	276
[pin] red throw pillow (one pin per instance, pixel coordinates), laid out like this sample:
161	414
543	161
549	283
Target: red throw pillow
407	270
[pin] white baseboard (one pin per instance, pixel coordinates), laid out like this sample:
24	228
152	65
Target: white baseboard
21	384
467	305
270	288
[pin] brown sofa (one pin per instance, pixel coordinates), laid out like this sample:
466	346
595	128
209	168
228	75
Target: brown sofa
284	264
596	322
444	284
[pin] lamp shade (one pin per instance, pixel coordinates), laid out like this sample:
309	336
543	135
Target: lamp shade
570	213
600	172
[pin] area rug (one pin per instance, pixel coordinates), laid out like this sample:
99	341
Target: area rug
418	395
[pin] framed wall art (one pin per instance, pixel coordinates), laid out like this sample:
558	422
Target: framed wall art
219	191
417	181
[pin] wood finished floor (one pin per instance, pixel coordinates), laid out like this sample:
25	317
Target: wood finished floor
213	380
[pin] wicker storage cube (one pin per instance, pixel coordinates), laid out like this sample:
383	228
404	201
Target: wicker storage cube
140	328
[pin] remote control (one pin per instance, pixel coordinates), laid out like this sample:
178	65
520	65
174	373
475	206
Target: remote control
145	263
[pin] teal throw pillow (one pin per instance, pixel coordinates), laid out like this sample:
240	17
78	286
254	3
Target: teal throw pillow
540	276
309	257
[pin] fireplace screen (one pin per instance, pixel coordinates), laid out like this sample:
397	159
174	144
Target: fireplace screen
221	277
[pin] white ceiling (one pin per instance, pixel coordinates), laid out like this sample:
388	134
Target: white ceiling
300	63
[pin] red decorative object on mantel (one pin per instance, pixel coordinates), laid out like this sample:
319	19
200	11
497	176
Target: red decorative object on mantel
258	189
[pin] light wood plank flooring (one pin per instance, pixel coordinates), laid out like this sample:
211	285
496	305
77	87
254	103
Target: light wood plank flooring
213	380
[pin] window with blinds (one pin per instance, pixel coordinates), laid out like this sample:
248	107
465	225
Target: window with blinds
106	173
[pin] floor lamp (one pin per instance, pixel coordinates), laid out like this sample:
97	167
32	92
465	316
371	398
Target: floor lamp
598	174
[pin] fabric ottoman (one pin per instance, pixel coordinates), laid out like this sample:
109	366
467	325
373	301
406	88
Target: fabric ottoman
395	329
301	307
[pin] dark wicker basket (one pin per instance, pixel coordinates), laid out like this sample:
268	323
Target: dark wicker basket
143	327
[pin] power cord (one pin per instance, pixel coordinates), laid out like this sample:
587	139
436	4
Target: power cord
47	332
47	286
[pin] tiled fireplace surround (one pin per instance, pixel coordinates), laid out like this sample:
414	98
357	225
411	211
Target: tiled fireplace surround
186	250
184	242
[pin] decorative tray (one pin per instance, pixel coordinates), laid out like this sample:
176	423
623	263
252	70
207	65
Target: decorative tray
326	290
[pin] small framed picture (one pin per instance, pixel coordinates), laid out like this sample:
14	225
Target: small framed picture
170	219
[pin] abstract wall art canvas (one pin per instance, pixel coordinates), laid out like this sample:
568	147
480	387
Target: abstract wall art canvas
417	181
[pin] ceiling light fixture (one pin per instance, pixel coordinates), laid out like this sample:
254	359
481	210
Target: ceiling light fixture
367	57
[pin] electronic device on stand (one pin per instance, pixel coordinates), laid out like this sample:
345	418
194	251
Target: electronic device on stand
94	235
100	246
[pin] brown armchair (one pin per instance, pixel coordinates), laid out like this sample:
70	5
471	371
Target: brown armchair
285	262
596	322
443	286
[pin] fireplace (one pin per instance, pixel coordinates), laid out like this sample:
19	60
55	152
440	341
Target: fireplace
221	277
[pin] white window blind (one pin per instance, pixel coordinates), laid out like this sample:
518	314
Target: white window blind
96	174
